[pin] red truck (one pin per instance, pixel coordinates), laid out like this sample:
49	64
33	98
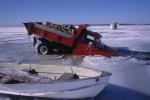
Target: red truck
67	39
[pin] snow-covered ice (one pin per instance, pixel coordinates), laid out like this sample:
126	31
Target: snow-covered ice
136	37
15	46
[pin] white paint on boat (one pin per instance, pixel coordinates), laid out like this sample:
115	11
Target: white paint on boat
91	82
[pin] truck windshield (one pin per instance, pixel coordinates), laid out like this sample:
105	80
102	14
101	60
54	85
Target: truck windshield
93	39
100	43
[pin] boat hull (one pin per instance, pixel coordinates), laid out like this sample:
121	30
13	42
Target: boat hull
89	85
85	88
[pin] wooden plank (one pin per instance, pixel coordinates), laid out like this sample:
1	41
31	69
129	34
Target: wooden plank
5	79
22	76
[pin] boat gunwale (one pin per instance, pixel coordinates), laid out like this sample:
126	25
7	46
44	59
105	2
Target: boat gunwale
66	81
104	73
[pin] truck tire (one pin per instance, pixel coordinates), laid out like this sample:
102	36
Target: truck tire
43	49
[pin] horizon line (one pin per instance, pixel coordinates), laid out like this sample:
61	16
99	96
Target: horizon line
89	24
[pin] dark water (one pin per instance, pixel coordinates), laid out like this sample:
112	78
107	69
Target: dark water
125	51
111	92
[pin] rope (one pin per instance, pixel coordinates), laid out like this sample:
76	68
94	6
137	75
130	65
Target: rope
29	42
89	47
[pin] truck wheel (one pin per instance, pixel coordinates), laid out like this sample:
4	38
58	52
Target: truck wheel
43	49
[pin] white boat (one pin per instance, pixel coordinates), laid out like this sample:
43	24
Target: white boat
54	81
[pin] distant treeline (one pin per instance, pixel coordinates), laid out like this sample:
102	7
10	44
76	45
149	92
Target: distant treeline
75	25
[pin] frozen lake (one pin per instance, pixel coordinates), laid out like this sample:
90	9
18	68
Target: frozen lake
130	78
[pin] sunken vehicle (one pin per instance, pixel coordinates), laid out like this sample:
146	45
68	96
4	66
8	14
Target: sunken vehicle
67	39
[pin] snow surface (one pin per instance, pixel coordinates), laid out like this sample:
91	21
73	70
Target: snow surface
15	46
136	37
